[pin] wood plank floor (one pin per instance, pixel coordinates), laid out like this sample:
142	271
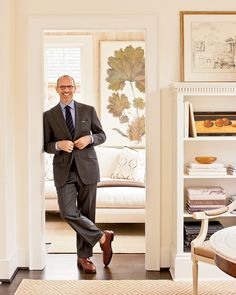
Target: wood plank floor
64	267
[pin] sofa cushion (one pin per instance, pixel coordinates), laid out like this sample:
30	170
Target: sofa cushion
106	182
120	197
131	165
50	190
109	196
108	158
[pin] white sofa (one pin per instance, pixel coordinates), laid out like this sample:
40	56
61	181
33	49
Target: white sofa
121	192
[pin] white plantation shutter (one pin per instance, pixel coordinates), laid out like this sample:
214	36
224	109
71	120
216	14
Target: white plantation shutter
62	60
69	55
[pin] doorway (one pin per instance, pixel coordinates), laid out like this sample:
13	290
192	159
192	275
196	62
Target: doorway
37	26
84	56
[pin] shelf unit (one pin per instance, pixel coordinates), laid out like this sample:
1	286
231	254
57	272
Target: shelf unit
204	97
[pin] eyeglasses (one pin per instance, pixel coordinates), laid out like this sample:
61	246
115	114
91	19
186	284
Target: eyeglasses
63	87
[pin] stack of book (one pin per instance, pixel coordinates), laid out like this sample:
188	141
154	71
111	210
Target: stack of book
191	230
231	169
216	169
204	198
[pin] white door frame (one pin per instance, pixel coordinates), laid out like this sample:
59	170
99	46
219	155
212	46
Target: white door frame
36	28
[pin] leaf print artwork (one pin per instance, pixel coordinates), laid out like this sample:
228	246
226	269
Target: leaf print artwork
126	74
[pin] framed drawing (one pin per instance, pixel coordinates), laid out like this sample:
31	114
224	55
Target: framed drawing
208	46
215	123
122	92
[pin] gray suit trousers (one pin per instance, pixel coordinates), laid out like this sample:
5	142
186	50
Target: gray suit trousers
77	203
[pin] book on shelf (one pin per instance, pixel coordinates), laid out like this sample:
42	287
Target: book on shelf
196	225
204	166
207	197
192	210
206	170
205	193
192	126
186	119
204	206
203	173
206	202
191	230
204	190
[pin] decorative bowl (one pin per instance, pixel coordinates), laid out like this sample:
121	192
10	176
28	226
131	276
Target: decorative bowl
205	159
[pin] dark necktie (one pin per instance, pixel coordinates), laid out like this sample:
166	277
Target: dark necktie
69	121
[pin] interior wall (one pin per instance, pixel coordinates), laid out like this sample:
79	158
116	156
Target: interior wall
8	217
169	68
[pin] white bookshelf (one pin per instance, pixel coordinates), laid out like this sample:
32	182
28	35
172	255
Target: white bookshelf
211	138
208	176
203	97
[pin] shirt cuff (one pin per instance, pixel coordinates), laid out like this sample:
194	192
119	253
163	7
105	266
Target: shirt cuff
56	146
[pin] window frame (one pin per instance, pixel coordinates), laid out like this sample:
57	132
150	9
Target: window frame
85	43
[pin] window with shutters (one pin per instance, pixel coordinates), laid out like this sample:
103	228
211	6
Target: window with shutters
70	55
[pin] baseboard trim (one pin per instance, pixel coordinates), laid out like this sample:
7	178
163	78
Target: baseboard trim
9	281
165	257
11	278
8	267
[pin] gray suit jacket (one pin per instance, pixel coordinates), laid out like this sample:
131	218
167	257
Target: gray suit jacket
55	129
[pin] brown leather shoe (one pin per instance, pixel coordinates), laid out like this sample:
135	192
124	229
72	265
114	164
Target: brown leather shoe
86	265
106	246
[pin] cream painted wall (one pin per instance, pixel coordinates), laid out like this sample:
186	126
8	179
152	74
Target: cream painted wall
169	71
8	247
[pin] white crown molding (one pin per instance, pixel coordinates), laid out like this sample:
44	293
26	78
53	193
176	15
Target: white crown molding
204	87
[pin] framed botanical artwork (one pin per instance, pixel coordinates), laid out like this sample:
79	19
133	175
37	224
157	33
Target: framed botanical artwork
215	123
122	92
208	46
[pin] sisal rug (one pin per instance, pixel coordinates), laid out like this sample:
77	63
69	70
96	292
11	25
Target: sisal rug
129	238
123	287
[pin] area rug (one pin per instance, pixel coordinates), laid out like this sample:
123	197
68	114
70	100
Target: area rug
129	238
123	287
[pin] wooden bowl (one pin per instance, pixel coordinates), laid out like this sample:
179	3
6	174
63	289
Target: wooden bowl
205	159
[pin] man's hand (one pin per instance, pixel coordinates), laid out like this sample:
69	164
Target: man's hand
82	142
66	145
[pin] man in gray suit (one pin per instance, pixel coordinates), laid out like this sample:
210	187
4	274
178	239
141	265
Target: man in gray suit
71	130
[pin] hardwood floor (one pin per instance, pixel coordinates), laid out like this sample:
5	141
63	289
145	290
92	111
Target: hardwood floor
64	267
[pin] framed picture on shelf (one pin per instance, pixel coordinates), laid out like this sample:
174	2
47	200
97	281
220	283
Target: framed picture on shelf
215	123
208	46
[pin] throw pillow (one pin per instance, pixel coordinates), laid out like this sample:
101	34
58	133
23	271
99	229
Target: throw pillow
131	165
48	170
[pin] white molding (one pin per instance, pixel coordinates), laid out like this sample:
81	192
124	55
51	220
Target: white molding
8	266
181	270
204	88
165	257
36	26
23	257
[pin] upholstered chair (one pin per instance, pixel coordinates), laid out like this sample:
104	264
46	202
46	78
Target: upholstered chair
200	247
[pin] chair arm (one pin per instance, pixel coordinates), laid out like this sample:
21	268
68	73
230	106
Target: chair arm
204	216
217	212
201	235
232	206
209	214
